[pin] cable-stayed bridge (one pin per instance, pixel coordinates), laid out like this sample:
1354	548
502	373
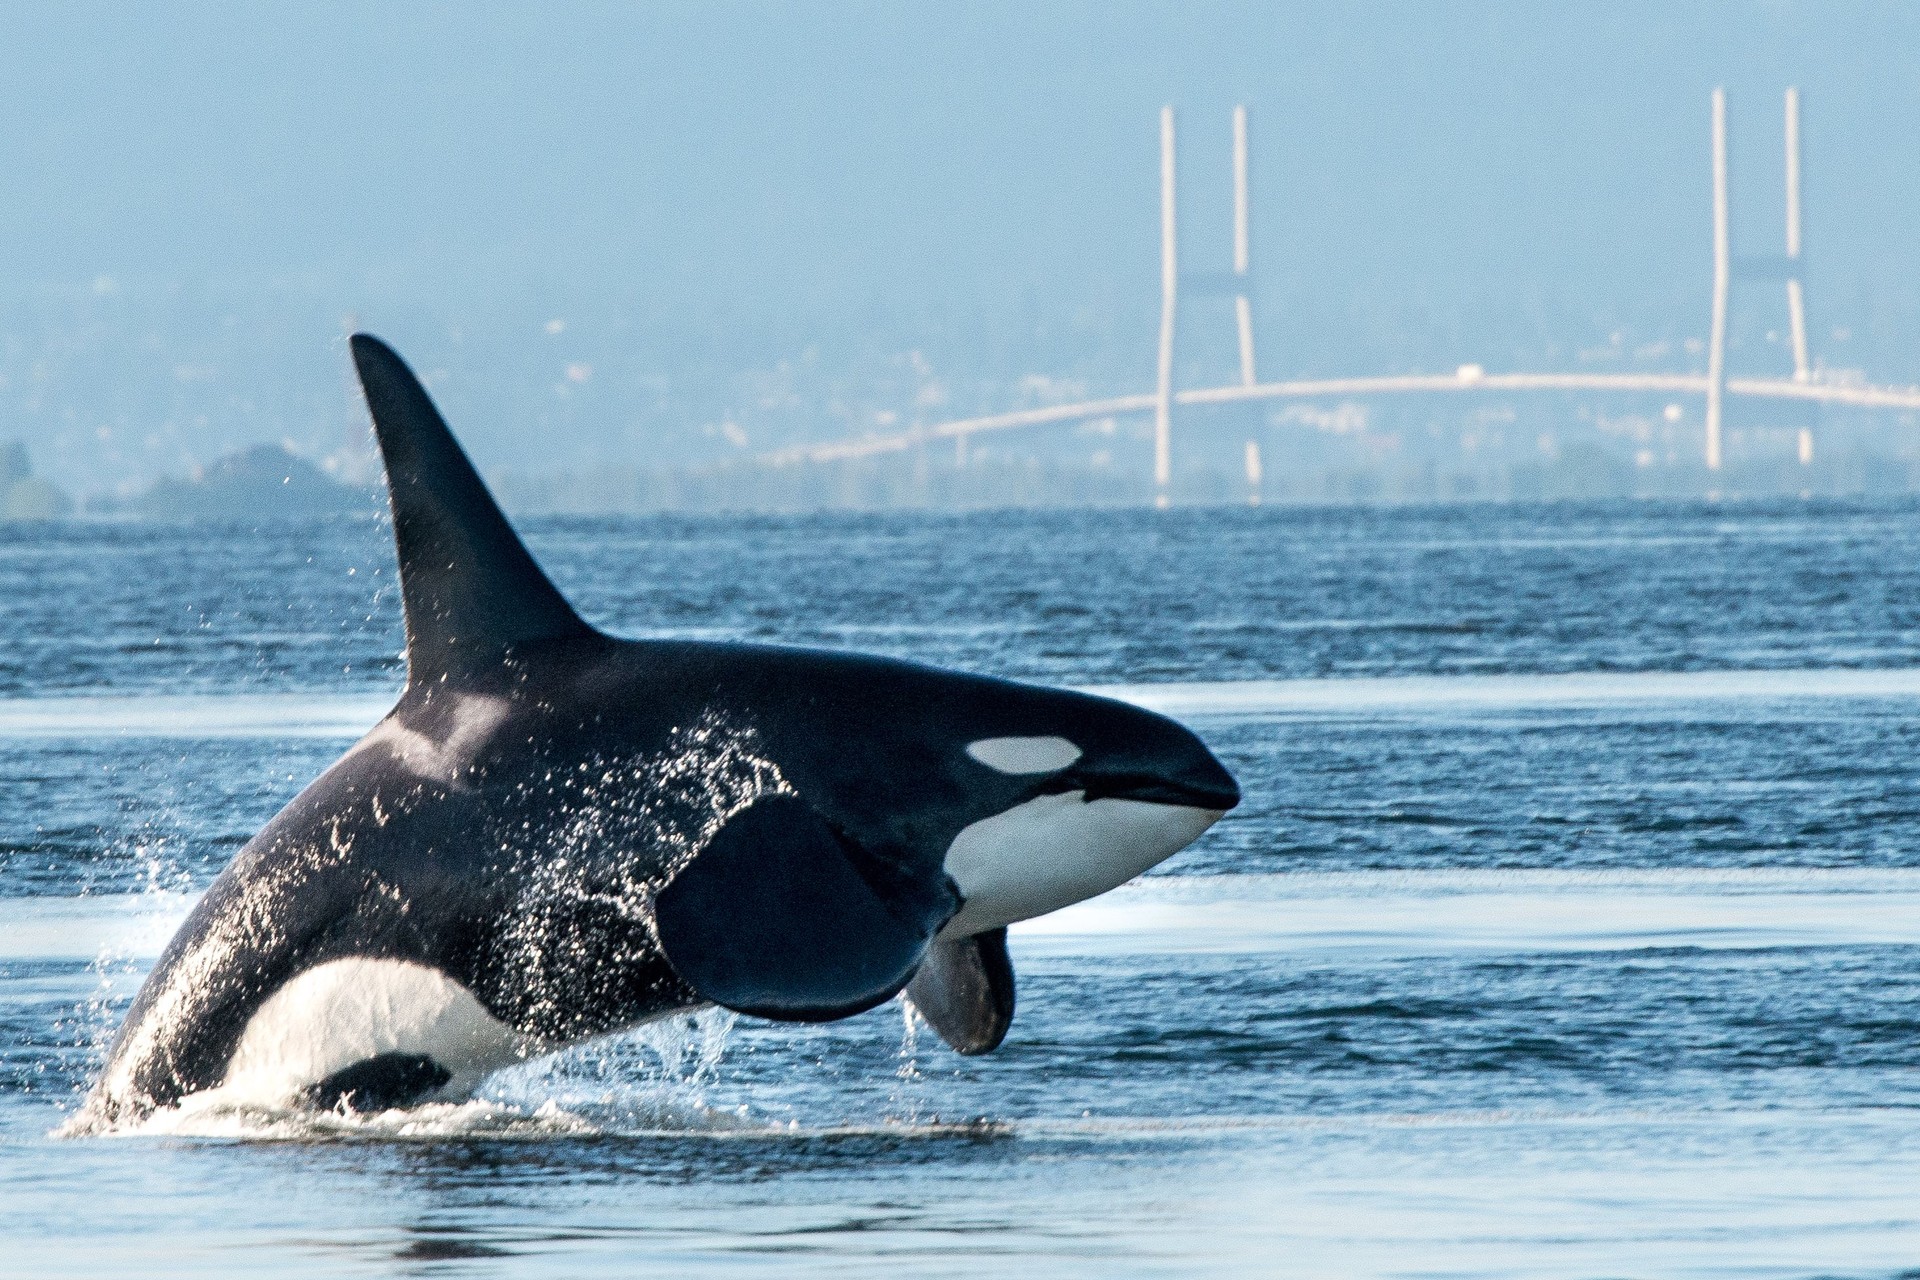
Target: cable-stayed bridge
1804	385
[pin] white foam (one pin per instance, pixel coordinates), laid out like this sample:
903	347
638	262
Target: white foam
214	1114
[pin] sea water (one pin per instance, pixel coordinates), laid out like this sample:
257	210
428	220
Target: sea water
1569	927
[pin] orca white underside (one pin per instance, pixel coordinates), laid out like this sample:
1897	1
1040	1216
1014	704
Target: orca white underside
1056	850
347	1011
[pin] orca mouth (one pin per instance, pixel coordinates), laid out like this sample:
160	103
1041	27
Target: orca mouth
1203	784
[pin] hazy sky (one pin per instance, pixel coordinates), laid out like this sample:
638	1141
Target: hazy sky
1433	184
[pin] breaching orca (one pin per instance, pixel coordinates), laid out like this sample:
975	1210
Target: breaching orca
556	834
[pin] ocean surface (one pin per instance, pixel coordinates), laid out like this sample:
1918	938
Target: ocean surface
1570	927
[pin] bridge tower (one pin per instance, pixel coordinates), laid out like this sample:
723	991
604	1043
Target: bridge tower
1727	268
1236	283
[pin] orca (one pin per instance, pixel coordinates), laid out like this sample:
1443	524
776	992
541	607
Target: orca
556	834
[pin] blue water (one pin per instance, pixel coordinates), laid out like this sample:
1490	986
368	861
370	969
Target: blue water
1569	927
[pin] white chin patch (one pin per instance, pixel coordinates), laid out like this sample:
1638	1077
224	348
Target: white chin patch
1024	755
1057	850
346	1011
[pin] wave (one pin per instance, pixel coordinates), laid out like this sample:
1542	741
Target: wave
1580	689
1396	914
116	927
281	715
651	1081
492	1119
207	1117
1354	913
348	715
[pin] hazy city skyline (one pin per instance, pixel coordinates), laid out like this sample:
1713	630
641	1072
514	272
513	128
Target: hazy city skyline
666	237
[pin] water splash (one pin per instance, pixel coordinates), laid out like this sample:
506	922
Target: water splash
908	1099
650	1080
654	1076
578	940
118	965
584	916
208	1115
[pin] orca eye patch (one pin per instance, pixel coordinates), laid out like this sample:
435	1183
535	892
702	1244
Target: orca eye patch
1024	755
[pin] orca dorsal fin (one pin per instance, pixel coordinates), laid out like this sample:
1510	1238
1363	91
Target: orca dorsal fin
473	594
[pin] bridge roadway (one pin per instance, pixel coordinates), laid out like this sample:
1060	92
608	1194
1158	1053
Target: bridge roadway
1864	397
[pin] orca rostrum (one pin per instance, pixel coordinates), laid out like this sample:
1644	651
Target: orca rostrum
557	834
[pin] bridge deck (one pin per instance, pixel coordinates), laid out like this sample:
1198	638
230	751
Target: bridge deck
1866	397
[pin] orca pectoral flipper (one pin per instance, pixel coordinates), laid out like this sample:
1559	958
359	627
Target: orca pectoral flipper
773	918
965	991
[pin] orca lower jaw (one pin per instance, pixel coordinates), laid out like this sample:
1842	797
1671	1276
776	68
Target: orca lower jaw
1065	847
